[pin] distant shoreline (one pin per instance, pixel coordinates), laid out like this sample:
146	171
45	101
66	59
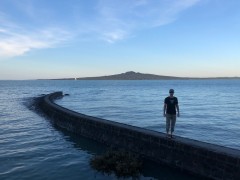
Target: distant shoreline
131	75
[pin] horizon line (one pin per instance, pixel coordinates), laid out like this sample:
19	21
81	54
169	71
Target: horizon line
171	76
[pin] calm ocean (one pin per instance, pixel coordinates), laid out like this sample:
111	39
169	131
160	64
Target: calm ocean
31	148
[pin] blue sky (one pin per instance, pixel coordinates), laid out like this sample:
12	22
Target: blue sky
80	38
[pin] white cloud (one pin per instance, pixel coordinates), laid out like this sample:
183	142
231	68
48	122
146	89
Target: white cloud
16	44
18	38
109	20
118	19
113	36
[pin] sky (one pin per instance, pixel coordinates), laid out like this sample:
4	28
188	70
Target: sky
82	38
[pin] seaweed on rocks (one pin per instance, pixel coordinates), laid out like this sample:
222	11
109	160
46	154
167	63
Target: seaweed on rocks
121	163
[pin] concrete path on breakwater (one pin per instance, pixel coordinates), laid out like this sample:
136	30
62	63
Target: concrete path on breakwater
203	159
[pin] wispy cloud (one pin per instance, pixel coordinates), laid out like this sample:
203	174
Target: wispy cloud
110	21
17	38
119	19
16	44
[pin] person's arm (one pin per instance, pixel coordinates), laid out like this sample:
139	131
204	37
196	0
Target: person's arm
178	113
164	109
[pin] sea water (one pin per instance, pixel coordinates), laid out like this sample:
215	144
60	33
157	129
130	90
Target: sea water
32	148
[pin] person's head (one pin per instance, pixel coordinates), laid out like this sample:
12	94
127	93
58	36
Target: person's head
171	92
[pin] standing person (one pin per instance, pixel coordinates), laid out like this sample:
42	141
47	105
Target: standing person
169	111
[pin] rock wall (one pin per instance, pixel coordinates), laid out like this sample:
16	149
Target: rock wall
204	159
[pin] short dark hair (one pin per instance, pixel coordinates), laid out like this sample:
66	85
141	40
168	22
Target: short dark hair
171	90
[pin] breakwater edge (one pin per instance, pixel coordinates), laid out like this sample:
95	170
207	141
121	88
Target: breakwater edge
204	159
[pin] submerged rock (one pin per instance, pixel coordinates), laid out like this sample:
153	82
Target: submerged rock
121	163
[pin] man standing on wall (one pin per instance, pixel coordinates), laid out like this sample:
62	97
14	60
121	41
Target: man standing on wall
169	111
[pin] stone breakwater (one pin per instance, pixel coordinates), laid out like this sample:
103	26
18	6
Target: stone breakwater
203	159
